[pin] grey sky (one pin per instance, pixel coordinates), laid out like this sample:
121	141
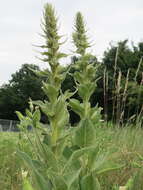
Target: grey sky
107	21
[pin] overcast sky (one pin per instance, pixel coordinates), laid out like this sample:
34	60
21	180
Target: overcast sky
107	20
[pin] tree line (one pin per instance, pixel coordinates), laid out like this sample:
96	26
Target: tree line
119	85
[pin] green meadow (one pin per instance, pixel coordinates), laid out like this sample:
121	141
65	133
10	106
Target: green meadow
125	145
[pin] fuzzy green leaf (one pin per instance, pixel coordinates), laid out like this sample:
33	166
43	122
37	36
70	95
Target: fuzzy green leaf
89	182
77	154
20	116
71	177
50	91
85	134
86	90
77	107
40	181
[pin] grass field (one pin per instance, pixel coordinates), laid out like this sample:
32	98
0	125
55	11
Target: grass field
10	164
126	145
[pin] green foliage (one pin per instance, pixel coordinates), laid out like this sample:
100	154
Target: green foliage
10	164
85	134
15	95
121	73
125	143
85	76
67	158
90	182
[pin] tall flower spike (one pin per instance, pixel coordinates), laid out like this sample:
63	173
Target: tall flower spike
50	29
80	38
51	52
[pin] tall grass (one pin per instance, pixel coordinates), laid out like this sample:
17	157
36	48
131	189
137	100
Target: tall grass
124	142
121	95
10	164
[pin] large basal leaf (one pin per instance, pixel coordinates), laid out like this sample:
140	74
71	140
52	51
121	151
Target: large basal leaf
89	182
47	155
91	157
76	155
41	182
75	164
85	134
71	177
67	152
59	182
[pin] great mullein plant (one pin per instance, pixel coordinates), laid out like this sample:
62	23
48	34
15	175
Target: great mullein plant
85	75
65	158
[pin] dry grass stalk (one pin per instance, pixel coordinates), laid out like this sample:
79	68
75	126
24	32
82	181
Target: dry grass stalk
124	97
118	106
139	65
114	81
105	88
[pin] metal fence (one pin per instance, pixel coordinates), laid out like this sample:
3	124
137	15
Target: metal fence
8	125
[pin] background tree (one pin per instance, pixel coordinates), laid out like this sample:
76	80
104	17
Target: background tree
123	66
14	95
127	58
